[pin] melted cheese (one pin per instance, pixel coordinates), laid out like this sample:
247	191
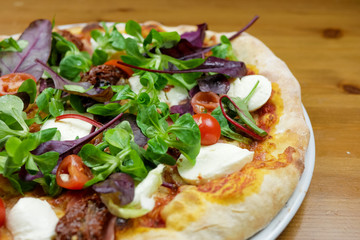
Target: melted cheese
69	128
32	219
213	162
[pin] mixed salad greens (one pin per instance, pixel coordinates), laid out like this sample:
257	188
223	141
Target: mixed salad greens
128	120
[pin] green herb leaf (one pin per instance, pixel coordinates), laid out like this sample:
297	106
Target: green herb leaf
134	29
11	45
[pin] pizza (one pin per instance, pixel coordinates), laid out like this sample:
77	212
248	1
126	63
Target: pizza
144	131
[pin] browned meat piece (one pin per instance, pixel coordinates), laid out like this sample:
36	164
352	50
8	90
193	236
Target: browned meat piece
104	75
87	218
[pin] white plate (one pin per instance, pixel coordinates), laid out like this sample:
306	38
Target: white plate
279	223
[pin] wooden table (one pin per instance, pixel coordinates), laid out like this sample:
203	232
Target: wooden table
320	42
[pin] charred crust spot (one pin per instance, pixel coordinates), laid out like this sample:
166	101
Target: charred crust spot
332	33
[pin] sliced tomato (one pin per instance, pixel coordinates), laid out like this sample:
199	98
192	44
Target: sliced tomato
10	83
205	102
126	69
72	173
209	128
2	213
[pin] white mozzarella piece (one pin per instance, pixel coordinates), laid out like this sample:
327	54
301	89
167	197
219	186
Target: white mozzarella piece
135	85
175	95
147	187
242	87
69	128
213	162
32	219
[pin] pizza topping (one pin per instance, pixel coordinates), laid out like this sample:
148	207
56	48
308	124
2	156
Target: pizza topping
105	75
72	173
10	83
69	128
213	162
209	128
143	200
119	187
127	70
38	36
72	38
217	83
80	117
2	213
236	112
242	87
211	64
205	102
88	218
33	219
11	45
77	88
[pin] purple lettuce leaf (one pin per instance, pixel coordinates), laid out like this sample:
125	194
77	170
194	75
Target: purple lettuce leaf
98	94
219	65
186	52
121	184
211	64
194	91
38	36
182	108
189	44
182	50
217	83
197	37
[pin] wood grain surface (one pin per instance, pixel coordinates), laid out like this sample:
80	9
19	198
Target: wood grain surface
320	42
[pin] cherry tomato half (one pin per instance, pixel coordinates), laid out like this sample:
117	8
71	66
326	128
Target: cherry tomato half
2	213
10	83
209	128
115	63
205	102
72	173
